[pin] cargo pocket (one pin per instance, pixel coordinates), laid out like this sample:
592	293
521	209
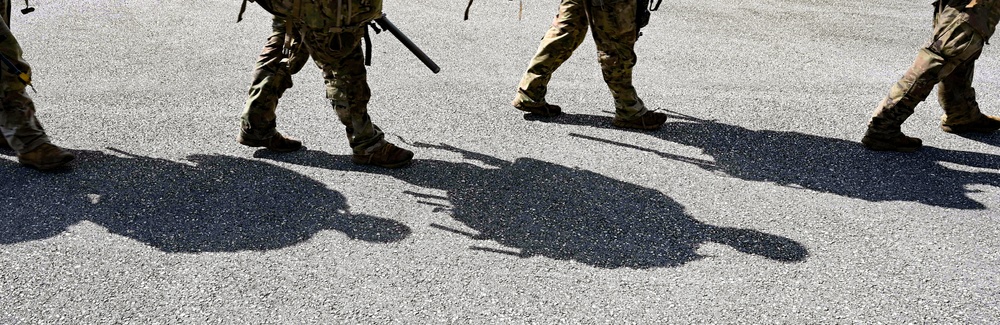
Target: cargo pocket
959	41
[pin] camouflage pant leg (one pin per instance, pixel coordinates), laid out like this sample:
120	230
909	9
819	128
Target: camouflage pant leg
271	77
343	64
954	43
18	123
568	30
957	97
614	29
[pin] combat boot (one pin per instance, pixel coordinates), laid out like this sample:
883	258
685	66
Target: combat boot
649	121
45	157
545	110
984	124
388	156
890	142
4	144
277	142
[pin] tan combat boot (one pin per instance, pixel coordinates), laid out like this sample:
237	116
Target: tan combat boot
890	142
545	110
45	157
388	156
984	124
649	121
277	142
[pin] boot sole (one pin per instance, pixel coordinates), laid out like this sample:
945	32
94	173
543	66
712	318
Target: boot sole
540	111
881	147
48	166
254	144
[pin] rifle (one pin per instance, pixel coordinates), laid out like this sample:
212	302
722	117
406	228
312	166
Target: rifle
385	24
381	21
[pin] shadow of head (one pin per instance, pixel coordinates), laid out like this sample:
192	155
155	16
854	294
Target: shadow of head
209	203
537	208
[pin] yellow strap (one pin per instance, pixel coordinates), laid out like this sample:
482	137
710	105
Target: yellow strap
340	14
290	23
972	3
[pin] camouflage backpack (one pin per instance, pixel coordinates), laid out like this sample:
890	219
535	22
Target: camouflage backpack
322	14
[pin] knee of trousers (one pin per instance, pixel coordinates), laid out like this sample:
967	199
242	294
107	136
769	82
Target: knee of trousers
348	92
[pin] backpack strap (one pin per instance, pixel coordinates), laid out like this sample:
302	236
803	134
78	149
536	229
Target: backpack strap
290	24
656	7
266	4
243	8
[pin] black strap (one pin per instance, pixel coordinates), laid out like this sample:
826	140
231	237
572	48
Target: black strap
368	48
655	8
467	10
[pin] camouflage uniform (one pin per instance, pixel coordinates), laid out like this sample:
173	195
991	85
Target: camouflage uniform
614	31
18	124
961	28
332	36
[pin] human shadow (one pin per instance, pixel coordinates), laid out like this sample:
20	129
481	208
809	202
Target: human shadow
210	203
537	208
821	164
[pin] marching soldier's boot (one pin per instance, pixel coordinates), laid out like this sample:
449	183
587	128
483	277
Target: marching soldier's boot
649	121
984	124
543	110
387	155
884	133
276	142
890	142
46	157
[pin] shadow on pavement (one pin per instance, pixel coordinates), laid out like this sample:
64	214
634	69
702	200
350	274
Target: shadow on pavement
213	203
821	164
536	208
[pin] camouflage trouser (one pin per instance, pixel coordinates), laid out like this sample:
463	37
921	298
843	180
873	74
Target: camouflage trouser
339	56
614	30
17	112
947	60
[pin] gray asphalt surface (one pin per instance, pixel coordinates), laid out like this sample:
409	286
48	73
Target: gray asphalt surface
754	204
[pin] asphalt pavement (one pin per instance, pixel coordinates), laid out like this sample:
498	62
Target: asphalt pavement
755	203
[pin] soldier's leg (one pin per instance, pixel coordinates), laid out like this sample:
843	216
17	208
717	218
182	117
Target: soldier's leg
271	77
958	99
18	125
614	30
568	30
956	95
21	130
347	88
954	43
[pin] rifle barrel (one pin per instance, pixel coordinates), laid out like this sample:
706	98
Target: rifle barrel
387	25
